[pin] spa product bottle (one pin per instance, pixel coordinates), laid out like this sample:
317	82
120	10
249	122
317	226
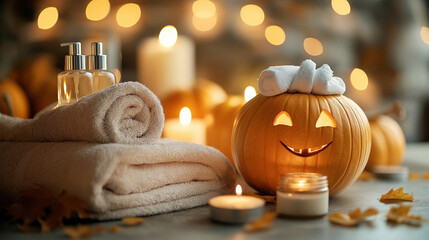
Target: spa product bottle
97	64
75	82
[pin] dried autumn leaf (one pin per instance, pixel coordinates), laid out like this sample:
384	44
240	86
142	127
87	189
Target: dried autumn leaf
400	215
397	194
31	204
71	204
114	229
365	175
263	223
352	218
132	221
425	175
266	198
414	176
79	231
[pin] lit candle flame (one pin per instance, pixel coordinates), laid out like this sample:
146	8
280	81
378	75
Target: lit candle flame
249	93
238	190
168	36
185	116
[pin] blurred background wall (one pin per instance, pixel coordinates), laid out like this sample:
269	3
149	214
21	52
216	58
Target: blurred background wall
379	47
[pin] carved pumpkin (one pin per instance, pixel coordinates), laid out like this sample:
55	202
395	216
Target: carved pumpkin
13	100
220	124
388	142
200	100
300	133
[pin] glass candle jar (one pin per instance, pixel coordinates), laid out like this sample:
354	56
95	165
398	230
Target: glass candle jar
303	195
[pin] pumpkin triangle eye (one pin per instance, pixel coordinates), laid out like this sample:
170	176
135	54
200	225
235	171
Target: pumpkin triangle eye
283	118
326	120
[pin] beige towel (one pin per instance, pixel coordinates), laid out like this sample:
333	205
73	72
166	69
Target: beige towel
116	180
124	113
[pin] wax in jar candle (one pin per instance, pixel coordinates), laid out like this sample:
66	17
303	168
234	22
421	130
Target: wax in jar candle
303	195
186	128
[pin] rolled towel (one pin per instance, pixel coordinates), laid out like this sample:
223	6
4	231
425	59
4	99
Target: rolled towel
117	180
124	113
306	78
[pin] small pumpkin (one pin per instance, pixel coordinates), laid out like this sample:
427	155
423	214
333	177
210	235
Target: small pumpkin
220	124
200	100
13	100
388	142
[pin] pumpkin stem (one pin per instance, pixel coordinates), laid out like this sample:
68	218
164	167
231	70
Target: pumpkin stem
396	110
8	100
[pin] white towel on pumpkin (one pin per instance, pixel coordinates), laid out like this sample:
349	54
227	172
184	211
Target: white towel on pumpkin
124	113
117	180
303	79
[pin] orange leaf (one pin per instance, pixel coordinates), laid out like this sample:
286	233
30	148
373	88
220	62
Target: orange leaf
397	194
31	204
353	218
78	232
263	223
132	221
114	229
425	175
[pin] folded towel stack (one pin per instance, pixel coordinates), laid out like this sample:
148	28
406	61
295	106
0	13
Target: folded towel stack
117	164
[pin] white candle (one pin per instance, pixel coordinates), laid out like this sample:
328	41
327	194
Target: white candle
303	195
167	63
236	208
185	128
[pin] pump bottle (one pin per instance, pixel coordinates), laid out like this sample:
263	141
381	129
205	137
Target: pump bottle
75	82
97	64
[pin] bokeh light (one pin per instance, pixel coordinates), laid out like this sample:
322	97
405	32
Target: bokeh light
204	24
204	9
424	33
341	7
359	79
252	15
313	46
275	35
128	15
48	17
96	10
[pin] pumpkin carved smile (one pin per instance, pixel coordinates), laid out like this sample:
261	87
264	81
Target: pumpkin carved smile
306	152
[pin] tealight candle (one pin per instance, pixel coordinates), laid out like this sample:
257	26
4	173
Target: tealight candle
303	195
236	208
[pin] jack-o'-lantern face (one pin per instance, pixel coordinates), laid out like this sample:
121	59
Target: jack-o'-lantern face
325	119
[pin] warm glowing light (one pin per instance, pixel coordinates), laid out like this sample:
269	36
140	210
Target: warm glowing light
313	46
128	15
117	75
275	35
168	36
283	118
204	24
326	120
342	7
424	33
249	93
68	95
97	9
185	116
238	190
48	17
204	9
359	79
252	15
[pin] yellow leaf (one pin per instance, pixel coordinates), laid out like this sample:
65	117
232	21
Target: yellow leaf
400	215
263	223
132	221
353	217
397	194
